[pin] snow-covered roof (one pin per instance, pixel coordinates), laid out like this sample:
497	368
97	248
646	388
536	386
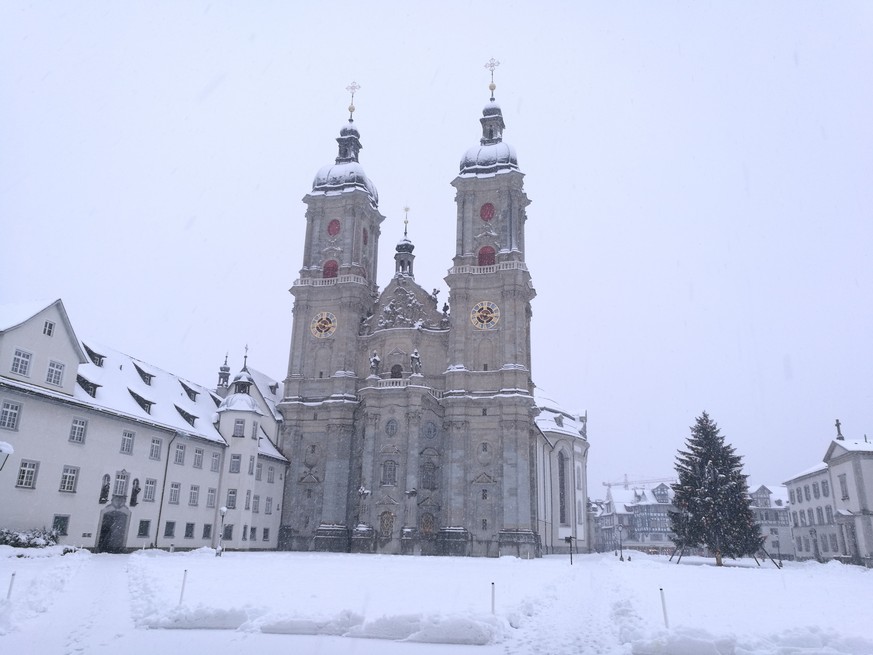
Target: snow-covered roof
13	315
270	389
555	420
854	446
267	449
818	468
344	177
157	397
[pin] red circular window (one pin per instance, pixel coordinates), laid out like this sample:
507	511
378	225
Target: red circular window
486	213
366	236
333	227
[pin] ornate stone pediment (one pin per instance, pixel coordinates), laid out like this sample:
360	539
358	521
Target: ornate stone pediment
483	478
386	499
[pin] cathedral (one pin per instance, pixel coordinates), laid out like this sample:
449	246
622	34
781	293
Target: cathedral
412	427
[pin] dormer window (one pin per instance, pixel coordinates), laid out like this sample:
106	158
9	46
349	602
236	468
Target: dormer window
215	399
142	402
89	387
185	415
242	386
48	328
192	395
146	377
94	356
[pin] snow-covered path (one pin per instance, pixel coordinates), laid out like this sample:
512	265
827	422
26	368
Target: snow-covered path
367	605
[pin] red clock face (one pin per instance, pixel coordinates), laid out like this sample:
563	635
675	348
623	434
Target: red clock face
486	212
333	227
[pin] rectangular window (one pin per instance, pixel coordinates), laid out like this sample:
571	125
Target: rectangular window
825	488
799	544
231	499
819	515
207	531
834	546
251	464
239	427
55	374
806	492
144	528
21	362
120	483
844	487
810	515
271	474
245	533
155	450
198	458
254	429
61	523
268	505
175	492
829	514
9	415
228	532
248	499
189	531
210	497
791	496
127	442
27	474
235	462
266	536
78	429
194	495
69	477
253	533
48	328
180	454
148	494
803	518
259	470
216	462
256	504
170	529
815	492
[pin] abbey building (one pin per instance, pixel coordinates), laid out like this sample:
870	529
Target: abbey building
402	426
410	427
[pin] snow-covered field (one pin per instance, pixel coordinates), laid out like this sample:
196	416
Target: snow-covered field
327	603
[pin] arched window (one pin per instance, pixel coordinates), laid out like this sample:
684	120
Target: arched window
389	473
104	489
486	256
397	371
386	525
329	269
427	524
562	488
428	475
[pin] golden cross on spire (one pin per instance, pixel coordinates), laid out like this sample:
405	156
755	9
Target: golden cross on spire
351	88
491	64
405	220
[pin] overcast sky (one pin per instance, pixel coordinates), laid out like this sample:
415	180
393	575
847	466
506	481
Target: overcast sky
701	177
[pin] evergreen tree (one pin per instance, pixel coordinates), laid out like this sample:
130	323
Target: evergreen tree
712	496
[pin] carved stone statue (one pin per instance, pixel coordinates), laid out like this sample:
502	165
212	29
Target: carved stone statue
416	362
374	363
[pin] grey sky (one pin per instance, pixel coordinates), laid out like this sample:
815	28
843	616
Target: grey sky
699	237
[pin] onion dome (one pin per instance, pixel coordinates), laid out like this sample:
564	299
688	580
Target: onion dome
492	155
346	174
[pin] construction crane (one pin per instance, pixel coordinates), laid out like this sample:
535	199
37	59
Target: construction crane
627	484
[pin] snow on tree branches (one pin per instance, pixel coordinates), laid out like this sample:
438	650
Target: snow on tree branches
712	496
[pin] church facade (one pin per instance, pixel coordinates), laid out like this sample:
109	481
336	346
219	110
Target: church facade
413	428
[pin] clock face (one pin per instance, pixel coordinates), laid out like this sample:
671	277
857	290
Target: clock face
333	227
323	325
485	315
486	212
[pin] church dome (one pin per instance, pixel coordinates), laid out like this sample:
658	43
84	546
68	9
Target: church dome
492	155
405	245
346	174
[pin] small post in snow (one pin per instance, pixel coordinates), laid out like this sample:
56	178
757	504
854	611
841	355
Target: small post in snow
664	607
492	597
12	581
182	594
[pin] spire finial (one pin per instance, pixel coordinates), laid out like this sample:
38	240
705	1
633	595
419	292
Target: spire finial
405	220
351	88
246	359
491	64
839	433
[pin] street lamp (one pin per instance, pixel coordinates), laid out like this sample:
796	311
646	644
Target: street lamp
620	546
218	551
814	536
6	450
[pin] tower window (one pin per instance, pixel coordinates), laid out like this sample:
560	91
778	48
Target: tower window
330	269
333	227
486	256
366	237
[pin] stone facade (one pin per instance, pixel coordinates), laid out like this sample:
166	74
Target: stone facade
412	427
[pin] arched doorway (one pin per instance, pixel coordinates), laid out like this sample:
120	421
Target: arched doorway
113	530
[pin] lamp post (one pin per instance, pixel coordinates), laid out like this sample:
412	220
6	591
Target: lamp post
218	551
620	546
814	536
6	450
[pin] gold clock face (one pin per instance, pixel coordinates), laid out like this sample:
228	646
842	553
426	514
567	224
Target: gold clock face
485	315
323	325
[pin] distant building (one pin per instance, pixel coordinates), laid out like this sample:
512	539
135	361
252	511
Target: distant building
832	504
643	512
771	511
116	454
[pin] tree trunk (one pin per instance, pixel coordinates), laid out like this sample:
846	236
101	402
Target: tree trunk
718	561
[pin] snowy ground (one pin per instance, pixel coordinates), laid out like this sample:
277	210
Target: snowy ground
326	603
